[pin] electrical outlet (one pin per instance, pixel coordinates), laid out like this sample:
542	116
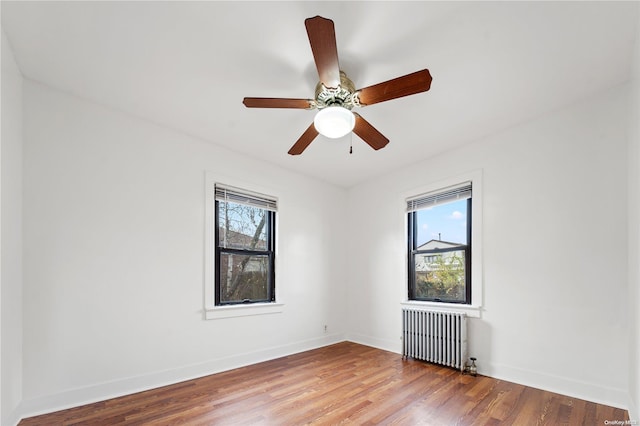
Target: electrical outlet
325	328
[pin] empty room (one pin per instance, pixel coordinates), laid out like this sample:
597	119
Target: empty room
284	213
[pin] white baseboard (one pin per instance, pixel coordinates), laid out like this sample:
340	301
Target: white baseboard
100	392
562	385
13	418
384	344
634	414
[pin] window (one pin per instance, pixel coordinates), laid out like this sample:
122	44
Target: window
244	244
439	245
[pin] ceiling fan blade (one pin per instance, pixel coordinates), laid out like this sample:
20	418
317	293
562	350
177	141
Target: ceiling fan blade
322	37
410	84
278	103
303	142
369	134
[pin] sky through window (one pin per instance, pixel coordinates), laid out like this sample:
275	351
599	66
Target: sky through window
445	222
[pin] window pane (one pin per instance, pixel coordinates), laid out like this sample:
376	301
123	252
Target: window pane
445	223
244	277
242	227
440	276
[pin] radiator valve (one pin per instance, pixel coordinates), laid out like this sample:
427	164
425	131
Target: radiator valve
471	369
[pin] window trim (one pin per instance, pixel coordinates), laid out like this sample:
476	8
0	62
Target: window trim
474	308
211	311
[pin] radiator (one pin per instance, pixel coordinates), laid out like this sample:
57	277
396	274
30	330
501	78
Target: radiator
435	336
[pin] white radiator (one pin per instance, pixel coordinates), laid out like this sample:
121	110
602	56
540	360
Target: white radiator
435	336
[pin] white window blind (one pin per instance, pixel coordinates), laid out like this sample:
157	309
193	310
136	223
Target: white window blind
240	196
445	195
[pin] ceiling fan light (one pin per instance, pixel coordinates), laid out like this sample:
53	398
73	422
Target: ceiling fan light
334	122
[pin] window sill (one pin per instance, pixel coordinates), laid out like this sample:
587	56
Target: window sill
471	310
232	311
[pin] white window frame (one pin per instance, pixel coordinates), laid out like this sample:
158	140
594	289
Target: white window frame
211	311
477	296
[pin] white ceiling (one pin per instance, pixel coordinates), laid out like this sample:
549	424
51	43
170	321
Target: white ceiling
188	65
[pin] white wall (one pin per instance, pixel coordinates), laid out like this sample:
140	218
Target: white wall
113	263
11	231
634	235
555	251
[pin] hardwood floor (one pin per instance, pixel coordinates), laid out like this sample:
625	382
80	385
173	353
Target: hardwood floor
345	383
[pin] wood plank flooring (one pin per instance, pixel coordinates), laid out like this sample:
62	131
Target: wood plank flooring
345	383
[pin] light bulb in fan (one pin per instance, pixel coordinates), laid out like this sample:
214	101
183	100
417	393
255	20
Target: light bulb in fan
334	122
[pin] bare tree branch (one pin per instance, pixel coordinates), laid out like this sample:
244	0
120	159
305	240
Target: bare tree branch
237	285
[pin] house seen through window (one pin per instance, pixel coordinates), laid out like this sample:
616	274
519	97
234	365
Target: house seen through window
439	244
244	247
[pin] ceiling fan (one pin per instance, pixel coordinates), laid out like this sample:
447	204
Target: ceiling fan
336	95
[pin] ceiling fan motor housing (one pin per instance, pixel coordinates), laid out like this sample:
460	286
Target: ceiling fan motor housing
344	95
